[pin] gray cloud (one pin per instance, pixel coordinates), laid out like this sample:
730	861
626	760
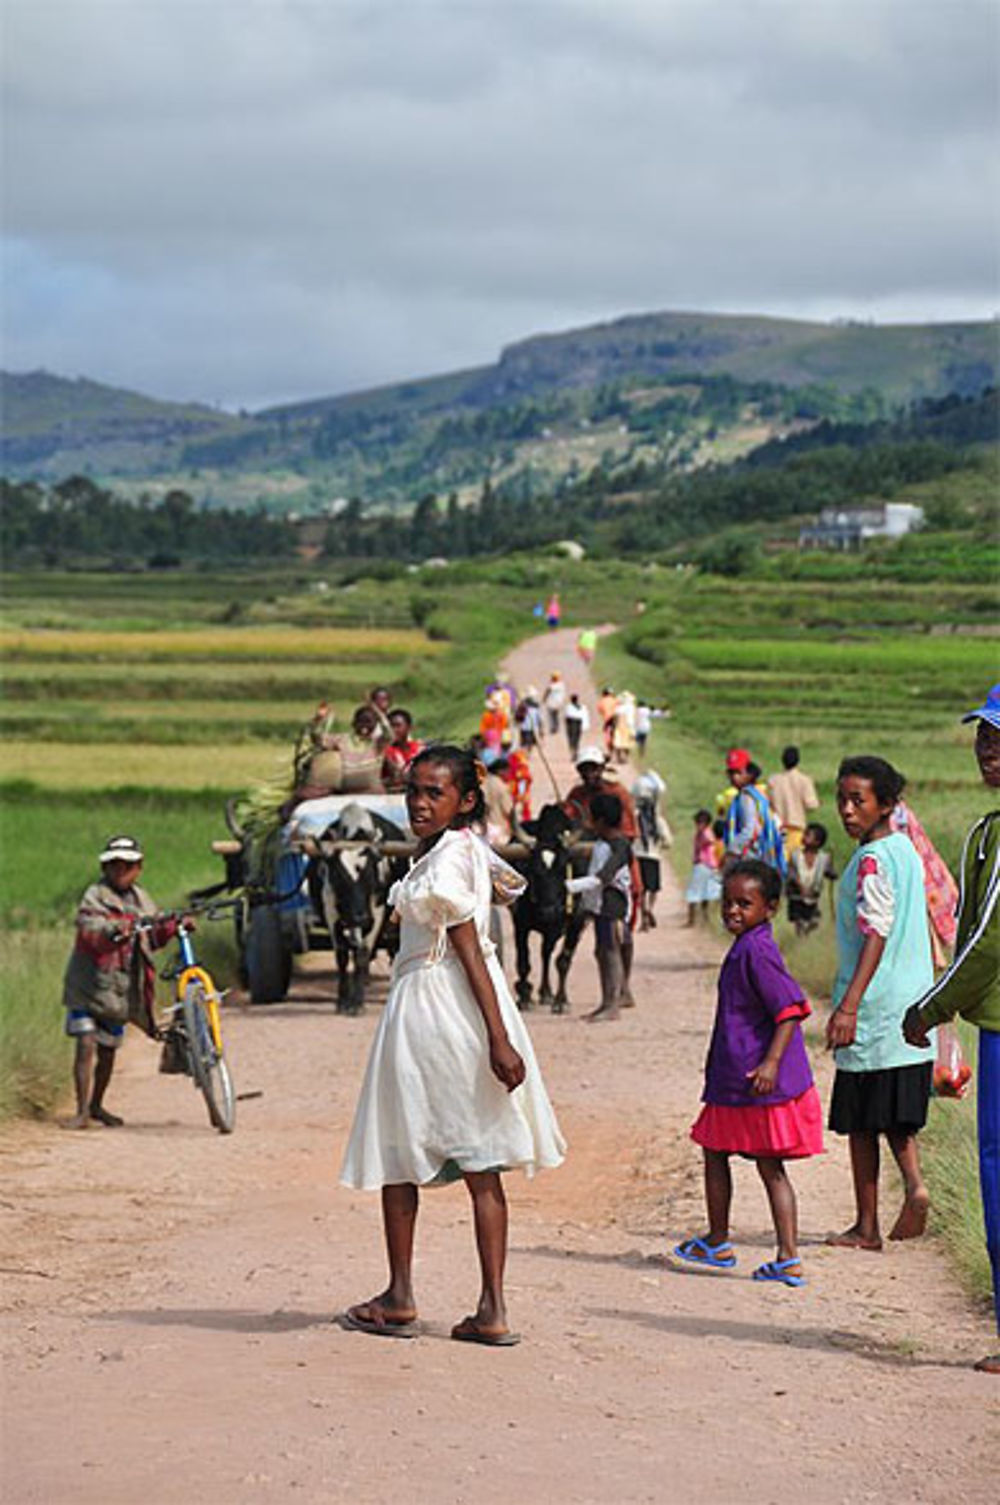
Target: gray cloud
278	199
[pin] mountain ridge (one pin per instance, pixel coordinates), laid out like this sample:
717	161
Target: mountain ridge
394	442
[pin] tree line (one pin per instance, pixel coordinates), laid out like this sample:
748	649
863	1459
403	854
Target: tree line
638	509
77	521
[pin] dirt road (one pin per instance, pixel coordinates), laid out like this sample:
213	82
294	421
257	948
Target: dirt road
168	1293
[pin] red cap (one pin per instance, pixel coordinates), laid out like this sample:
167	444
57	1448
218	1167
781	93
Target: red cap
737	757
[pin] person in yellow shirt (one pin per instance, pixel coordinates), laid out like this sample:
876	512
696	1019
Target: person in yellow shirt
793	795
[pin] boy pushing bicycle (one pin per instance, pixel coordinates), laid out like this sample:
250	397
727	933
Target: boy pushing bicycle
110	977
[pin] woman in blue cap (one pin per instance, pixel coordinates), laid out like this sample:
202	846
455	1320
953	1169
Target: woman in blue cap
971	985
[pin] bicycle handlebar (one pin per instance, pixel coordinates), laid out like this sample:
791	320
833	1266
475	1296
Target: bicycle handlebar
214	909
211	911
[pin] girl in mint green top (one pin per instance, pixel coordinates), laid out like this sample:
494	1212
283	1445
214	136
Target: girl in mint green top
882	891
882	1084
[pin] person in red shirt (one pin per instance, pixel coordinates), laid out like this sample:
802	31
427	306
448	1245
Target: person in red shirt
401	751
590	765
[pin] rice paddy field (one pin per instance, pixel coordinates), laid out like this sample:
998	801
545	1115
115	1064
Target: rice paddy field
148	714
150	699
836	668
143	703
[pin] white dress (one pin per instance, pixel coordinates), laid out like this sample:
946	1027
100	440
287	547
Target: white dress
430	1107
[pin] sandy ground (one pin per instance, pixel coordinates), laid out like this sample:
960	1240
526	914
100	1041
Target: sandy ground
168	1292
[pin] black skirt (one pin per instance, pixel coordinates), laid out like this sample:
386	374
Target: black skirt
649	872
873	1102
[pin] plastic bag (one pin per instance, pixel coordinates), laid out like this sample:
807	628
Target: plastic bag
951	1070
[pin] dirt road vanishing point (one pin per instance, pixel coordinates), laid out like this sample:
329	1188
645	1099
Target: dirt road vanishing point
168	1292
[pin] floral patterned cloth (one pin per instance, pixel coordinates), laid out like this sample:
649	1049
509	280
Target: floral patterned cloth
939	886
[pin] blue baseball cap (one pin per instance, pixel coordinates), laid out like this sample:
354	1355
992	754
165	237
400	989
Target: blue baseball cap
989	710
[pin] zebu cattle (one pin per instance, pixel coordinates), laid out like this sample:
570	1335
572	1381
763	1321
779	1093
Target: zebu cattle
542	906
350	882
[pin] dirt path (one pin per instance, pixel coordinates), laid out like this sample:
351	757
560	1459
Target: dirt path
167	1294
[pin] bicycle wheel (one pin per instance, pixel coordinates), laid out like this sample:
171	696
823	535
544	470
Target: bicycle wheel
208	1065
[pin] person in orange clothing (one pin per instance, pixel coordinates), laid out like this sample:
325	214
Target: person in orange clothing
494	724
607	710
591	765
518	777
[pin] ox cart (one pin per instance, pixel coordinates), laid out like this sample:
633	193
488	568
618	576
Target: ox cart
321	881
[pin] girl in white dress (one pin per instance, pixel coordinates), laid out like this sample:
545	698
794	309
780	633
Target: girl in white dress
452	1088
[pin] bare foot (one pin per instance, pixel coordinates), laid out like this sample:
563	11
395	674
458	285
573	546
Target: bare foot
989	1365
109	1120
78	1121
853	1238
912	1220
600	1015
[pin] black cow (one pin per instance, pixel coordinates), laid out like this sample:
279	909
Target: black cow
350	887
542	906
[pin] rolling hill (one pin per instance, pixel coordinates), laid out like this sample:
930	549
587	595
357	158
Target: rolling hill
681	387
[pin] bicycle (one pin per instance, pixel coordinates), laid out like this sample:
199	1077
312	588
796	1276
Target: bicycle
192	1033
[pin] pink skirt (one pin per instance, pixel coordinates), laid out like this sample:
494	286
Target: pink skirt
769	1131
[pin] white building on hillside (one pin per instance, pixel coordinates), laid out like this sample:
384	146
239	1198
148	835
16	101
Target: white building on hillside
851	528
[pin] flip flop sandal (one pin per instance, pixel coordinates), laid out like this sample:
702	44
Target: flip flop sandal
780	1272
385	1329
697	1251
468	1332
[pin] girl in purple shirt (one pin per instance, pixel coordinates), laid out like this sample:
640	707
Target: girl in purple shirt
759	1098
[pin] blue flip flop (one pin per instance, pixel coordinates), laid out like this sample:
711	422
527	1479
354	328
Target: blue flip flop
698	1251
779	1271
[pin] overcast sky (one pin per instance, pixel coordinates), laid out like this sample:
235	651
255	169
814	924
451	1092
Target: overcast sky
256	201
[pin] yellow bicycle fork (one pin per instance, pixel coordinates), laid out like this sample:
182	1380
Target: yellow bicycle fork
212	999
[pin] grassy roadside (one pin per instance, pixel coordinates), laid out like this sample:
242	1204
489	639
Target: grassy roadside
692	767
951	1164
36	1059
